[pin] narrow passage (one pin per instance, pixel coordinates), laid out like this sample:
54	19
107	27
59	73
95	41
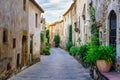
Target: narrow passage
58	66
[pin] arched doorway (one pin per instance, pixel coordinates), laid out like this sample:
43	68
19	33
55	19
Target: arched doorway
113	28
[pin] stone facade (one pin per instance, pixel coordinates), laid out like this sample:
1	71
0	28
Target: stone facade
35	26
108	15
15	33
67	18
57	28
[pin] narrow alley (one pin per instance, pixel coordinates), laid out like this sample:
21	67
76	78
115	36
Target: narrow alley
58	66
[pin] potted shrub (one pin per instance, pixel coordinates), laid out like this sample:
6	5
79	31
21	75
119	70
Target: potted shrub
82	53
57	40
69	45
65	48
46	50
73	50
102	57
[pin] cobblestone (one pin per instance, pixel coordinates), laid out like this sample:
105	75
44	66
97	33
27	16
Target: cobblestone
58	66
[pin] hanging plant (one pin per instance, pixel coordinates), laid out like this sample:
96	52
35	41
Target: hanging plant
76	29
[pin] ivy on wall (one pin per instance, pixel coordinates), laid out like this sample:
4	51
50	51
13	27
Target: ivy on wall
94	28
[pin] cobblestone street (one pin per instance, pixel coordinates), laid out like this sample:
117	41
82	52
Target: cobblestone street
58	66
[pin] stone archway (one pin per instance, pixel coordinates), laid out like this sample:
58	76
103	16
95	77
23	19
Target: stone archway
112	28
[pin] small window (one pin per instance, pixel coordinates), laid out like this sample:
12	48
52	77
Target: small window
101	36
5	36
24	5
36	19
75	24
14	43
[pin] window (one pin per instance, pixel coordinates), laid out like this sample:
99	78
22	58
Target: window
100	36
36	19
14	43
5	36
24	5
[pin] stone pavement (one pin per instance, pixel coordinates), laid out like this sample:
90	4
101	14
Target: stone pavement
58	66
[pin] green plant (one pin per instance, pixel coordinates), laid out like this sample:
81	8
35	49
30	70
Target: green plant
70	33
106	53
46	50
92	14
69	45
79	40
76	29
57	40
42	37
82	53
47	35
73	50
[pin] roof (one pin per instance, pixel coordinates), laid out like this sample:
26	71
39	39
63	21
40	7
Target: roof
53	24
37	5
73	4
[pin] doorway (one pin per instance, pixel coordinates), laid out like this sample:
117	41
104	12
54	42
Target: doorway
113	28
31	49
24	50
18	60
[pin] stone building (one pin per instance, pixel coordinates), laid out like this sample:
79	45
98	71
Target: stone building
108	16
57	28
15	32
67	18
52	33
60	31
35	27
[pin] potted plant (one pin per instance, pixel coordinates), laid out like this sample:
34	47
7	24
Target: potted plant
73	51
102	57
76	29
64	48
57	40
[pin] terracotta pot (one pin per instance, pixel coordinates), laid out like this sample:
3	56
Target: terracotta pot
103	66
65	49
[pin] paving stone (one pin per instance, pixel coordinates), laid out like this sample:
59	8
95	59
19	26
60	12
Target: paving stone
58	66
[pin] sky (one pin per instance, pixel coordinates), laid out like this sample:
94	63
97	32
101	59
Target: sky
54	8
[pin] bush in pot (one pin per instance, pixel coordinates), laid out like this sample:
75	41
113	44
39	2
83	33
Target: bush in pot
101	56
57	40
82	53
73	50
69	45
46	50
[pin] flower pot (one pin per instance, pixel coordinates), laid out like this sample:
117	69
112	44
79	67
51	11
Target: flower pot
103	66
65	49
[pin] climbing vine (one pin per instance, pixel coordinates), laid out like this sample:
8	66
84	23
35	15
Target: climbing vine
94	28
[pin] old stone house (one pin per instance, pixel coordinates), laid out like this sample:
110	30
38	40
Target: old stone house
67	18
35	26
15	26
52	33
57	28
107	13
60	31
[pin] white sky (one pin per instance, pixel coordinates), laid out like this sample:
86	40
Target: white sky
54	8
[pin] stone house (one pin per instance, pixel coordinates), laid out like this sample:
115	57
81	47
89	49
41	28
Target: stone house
60	31
57	28
35	26
81	13
52	33
108	16
15	26
67	18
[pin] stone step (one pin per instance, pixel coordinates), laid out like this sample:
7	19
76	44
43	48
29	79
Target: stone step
112	75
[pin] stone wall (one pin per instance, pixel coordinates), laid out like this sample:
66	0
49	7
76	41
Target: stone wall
13	19
35	29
